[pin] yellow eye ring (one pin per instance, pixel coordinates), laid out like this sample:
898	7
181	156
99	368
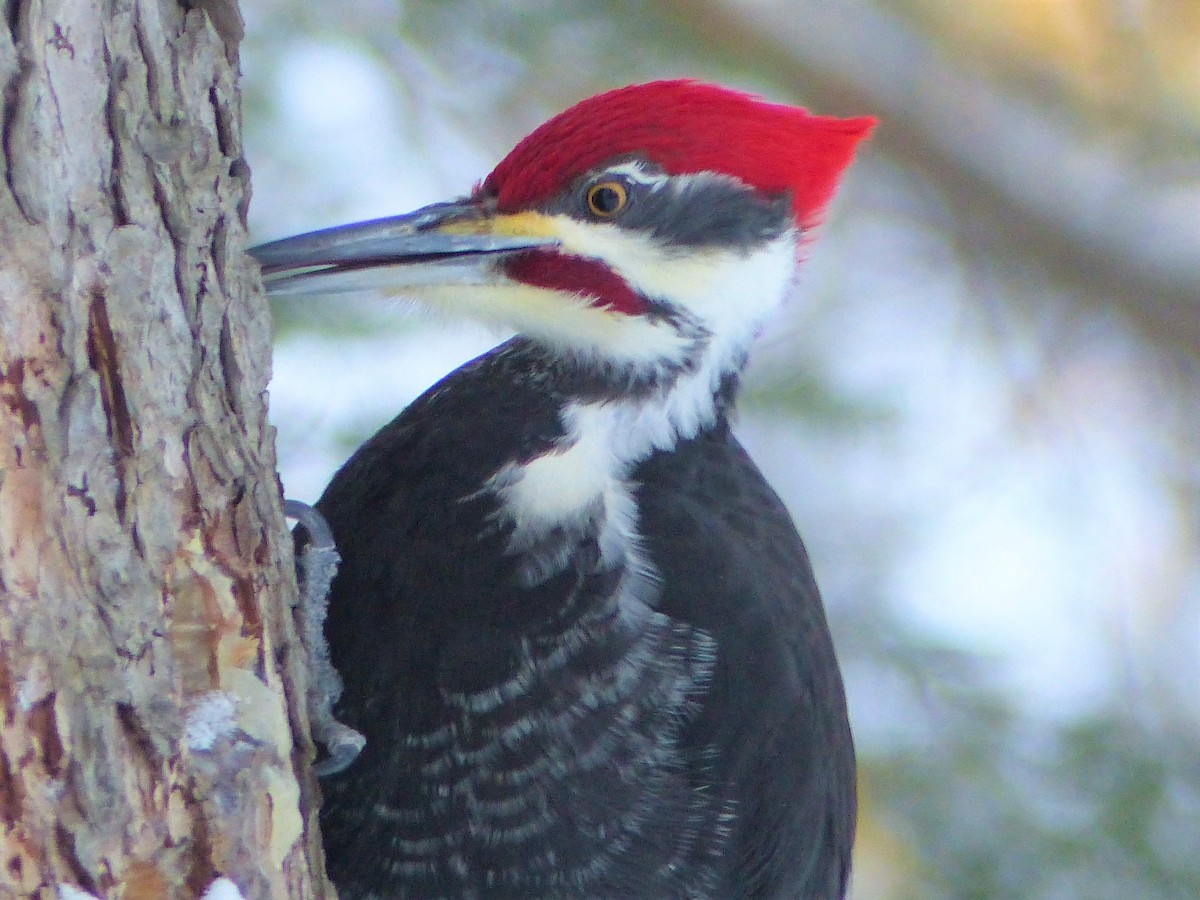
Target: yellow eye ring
607	198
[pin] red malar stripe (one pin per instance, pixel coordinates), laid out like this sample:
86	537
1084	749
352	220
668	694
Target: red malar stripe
577	275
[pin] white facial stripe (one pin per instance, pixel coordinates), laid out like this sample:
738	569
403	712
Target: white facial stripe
727	292
565	321
587	472
584	476
558	485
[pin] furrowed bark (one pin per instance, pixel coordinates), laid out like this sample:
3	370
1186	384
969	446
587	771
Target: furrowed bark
152	735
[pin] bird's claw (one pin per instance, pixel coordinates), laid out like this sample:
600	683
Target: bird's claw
316	564
342	744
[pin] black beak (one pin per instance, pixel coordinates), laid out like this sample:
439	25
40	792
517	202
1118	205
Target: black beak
438	244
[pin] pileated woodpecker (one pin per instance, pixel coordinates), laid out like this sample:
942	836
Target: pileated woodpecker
576	626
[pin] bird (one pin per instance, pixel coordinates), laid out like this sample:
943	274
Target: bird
576	626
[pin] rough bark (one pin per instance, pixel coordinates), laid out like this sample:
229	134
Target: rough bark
146	687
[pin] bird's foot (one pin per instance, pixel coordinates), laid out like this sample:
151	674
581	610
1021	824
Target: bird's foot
316	564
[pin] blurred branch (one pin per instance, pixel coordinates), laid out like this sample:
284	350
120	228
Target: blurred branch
1041	188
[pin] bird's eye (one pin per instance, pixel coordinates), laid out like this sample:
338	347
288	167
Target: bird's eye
607	198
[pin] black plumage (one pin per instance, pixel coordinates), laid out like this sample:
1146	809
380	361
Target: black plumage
549	721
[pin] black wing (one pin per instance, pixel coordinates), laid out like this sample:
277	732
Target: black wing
775	718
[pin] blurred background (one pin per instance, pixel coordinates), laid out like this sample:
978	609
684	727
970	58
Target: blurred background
981	407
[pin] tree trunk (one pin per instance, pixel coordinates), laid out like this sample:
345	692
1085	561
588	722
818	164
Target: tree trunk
152	730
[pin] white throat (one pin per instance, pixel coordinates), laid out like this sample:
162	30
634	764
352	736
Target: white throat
729	296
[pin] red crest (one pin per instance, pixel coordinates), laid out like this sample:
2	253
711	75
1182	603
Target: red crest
685	127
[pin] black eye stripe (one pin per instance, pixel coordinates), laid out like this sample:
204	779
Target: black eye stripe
710	210
705	209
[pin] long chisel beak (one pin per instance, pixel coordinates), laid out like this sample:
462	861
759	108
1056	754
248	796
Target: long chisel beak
445	243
